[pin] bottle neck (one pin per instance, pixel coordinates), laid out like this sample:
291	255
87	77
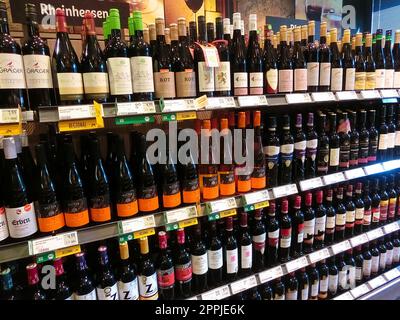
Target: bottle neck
32	29
116	33
4	28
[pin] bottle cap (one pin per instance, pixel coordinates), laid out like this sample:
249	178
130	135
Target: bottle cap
131	26
144	245
124	250
227	26
32	272
258	214
229	223
256	118
272	208
241	120
173	31
319	196
58	265
114	19
180	235
207	124
308	199
297	202
160	27
243	219
152	31
162	240
231	119
285	206
224	125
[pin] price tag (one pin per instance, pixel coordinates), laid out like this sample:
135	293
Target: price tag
178	105
374	234
68	251
284	191
319	255
333	178
256	197
9	116
360	291
244	284
354	174
296	264
77	125
323	96
48	256
389	93
345	296
252	101
221	205
227	213
187	223
133	225
340	247
375	168
201	102
271	274
192	298
377	282
392	227
28	116
53	243
298	98
220	103
144	233
76	112
370	94
392	274
356	241
11	123
217	294
182	116
131	108
391	165
346	95
136	120
311	184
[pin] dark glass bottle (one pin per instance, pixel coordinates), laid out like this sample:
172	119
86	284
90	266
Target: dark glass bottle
285	66
312	147
391	132
360	209
363	139
367	262
389	252
239	66
304	284
396	249
354	140
254	59
323	271
361	75
384	203
199	262
389	67
300	144
271	150
279	289
270	63
333	278
367	207
351	269
313	277
349	70
373	137
285	226
323	147
165	270
324	60
393	197
246	247
382	255
273	229
84	288
107	287
375	255
286	152
375	203
62	290
337	66
340	223
231	256
297	229
171	189
223	80
34	290
334	144
215	257
380	62
292	286
344	134
258	234
148	287
8	291
266	292
309	224
350	212
342	272
396	59
127	280
183	267
299	63
330	218
312	59
370	83
320	221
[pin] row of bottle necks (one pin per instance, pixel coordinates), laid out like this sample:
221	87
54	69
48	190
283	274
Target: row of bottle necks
146	71
187	263
60	190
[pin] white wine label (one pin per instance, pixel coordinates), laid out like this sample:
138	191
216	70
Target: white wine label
360	213
108	293
148	288
300	80
340	219
343	279
325	74
360	81
119	73
223	76
380	79
271	150
12	75
232	261
129	290
4	234
351	276
206	78
300	145
389	78
256	83
391	140
38	71
323	285
333	283
314	289
96	82
313	73
304	293
375	264
396	80
246	259
350	216
142	74
370	83
164	83
389	258
21	221
200	264
70	83
383	141
215	260
382	260
337	79
330	222
90	296
291	295
350	79
334	157
272	78
396	254
366	268
285	81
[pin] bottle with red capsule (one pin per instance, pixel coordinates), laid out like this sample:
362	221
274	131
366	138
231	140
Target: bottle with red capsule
330	218
320	221
246	247
360	209
350	212
273	228
309	224
285	226
297	229
340	222
258	238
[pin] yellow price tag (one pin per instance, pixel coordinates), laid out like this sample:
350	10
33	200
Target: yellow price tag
227	213
186	115
98	108
144	233
188	223
84	124
11	129
201	102
260	205
68	251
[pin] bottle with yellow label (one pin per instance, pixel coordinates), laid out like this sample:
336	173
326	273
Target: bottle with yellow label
370	82
148	287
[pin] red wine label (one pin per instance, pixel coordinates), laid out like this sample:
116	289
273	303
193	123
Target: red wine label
119	74
325	74
300	233
128	290
183	272
49	216
330	224
286	237
389	258
291	295
256	83
389	78
223	76
38	71
70	83
384	205
340	221
227	186
76	213
382	260
363	154
375	264
148	289
334	157
166	278
3	225
243	183
337	79
344	155
380	78
273	238
240	84
148	200
209	186
309	226
350	79
108	293
392	208
311	150
232	261
360	82
127	204
285	81
12	75
354	147
323	160
206	77
185	84
367	217
142	74
246	256
164	82
383	141
300	80
259	242
215	259
376	214
200	264
100	210
90	296
319	232
272	81
191	191
304	292
258	178
313	74
350	218
21	221
359	216
172	195
96	83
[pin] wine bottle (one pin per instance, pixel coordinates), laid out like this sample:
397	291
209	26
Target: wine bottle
304	284
312	60
199	262
370	69
309	224
215	257
389	72
300	144
349	70
273	237
242	173
285	67
153	38
165	270
351	269
231	255
279	289
266	292
396	248
254	59
239	65
360	209
183	267
389	252
359	261
62	290
330	218
223	71
375	203
192	34
34	290
373	137
382	255
333	278
190	182
246	247
127	281
342	272
340	218
313	277
320	221
297	229
367	207
312	147
383	135
285	226
269	62
258	177
364	139
271	150
148	288
337	66
343	130
322	159
396	59
354	140
107	286
286	152
323	271
384	203
258	237
299	63
8	291
171	189
361	75
374	258
391	133
392	198
292	285
324	60
380	63
350	212
37	62
84	287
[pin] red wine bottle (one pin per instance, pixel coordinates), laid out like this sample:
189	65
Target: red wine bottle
367	206
392	198
84	286
304	284
107	286
165	270
127	280
269	62
312	147
322	159
364	139
271	150
285	66
324	60
313	277
333	278
320	221
380	63
199	262
350	212
148	288
239	65
343	130
300	144
215	257
312	60
259	239
297	229
354	140
223	80
349	71
309	224
246	247
285	226
360	209
337	67
286	152
254	59
323	271
62	290
183	267
391	132
292	286
396	60
34	290
330	218
231	255
389	72
361	75
384	204
383	135
299	63
340	223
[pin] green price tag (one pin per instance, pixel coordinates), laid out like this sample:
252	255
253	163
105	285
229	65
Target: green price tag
172	227
169	117
214	216
126	237
48	256
134	120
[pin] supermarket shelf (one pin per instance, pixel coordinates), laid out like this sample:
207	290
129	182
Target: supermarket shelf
257	279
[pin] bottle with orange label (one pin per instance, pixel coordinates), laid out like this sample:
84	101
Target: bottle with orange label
48	212
208	171
226	170
190	181
243	177
258	180
171	188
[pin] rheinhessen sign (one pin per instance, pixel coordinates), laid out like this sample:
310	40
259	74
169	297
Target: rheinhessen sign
74	10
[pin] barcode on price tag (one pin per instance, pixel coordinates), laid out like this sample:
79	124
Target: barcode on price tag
323	96
375	168
370	94
359	291
374	234
392	227
220	103
271	274
346	95
131	108
53	243
392	274
377	282
298	98
244	284
76	112
356	241
181	214
284	191
256	197
334	178
221	205
319	255
296	264
311	184
217	294
340	247
354	173
133	225
391	93
252	101
9	116
391	165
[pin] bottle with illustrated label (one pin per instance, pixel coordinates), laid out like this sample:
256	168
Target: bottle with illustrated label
389	67
340	219
361	72
320	221
337	67
334	144
380	63
269	62
311	150
297	229
299	63
215	256
330	218
342	272
259	237
304	284
118	64
165	270
127	280
285	227
183	267
396	60
333	278
351	269
254	59
37	62
393	197
62	290
312	60
223	80
300	144
359	261
344	134
285	66
198	253
322	160
384	203
309	224
375	254
242	175
245	247
141	63
148	287
271	145
239	65
383	135
107	286
286	152
370	70
373	137
324	60
84	287
349	71
292	287
231	255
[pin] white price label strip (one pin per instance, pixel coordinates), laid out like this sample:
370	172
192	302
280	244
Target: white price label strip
370	94
243	285
392	274
271	274
334	178
340	247
345	296
356	241
181	214
391	165
359	291
319	255
76	112
392	227
252	101
374	234
323	96
192	298
311	184
222	205
375	168
133	225
284	191
132	108
391	93
9	115
354	174
220	103
53	243
296	264
298	98
179	105
217	294
256	197
346	95
377	282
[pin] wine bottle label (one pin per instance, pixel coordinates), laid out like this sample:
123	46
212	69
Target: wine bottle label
200	264
396	80
70	83
259	242
391	140
127	204
350	218
286	238
21	221
382	260
330	222
359	215
215	259
185	84
76	213
366	268
334	157
396	254
240	83
287	154
325	74
323	159
376	214
300	80
279	297
258	180
148	289
49	216
273	238
90	296
304	293
164	83
313	74
148	199
311	151
108	293
370	83
319	231
375	264
285	81
384	205
383	141
363	153
206	77
227	183
300	150
223	76
344	155
119	74
392	208
323	284
333	283
209	186
246	256
337	79
380	79
367	217
309	227
129	290
343	279
100	210
96	83
38	71
243	183
350	79
172	195
397	139
232	261
340	219
272	155
389	257
315	289
361	78
351	276
142	74
373	149
291	295
12	75
389	78
256	83
183	272
272	80
166	278
300	233
4	234
191	191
